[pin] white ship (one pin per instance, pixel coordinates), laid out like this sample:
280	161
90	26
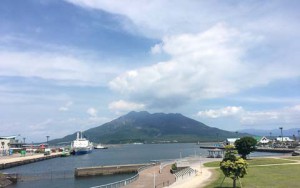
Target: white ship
100	146
81	145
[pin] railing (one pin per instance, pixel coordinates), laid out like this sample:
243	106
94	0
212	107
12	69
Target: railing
184	173
126	181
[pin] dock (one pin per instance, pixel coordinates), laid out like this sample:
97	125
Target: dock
260	149
108	170
275	150
17	160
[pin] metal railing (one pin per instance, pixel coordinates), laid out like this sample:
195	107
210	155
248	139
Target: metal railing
126	181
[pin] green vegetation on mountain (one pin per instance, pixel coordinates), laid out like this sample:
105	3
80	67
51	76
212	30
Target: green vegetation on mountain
151	128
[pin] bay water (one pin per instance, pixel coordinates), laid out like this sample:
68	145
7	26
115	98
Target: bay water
59	172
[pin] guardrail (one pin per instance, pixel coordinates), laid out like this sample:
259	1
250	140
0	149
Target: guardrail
124	182
184	173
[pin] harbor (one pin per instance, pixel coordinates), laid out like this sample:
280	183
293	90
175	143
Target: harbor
60	171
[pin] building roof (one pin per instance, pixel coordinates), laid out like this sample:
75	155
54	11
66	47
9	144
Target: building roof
7	137
232	139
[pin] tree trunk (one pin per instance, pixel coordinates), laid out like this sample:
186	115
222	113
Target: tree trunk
234	182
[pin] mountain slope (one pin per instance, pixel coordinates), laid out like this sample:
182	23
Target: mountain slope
146	127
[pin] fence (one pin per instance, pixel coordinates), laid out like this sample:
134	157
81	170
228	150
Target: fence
184	173
124	182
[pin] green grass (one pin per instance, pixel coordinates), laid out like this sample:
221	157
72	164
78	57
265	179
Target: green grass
264	176
266	161
212	164
293	158
256	161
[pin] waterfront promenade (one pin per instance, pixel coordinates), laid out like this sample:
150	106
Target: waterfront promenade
166	179
17	159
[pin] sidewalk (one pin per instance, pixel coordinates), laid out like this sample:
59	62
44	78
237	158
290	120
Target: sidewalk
166	179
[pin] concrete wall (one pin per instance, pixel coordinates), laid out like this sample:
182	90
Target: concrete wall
107	170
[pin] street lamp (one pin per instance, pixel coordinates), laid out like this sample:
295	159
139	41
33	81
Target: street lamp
281	134
47	138
236	132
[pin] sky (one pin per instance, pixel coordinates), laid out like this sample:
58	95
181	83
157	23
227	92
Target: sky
70	65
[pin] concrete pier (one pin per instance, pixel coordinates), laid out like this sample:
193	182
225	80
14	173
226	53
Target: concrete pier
107	170
17	160
260	149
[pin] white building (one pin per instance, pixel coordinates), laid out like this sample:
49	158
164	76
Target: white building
262	140
6	142
284	139
230	141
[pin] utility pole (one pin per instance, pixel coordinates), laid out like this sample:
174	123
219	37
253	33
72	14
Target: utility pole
236	132
281	134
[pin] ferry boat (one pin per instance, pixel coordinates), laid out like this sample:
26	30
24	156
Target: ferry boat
100	146
81	145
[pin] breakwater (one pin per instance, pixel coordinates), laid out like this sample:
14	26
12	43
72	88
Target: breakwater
107	170
275	150
260	149
17	161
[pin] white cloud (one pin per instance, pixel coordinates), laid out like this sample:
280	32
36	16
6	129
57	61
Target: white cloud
223	112
209	64
92	112
122	106
202	66
66	107
288	116
55	66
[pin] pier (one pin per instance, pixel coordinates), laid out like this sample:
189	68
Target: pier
17	160
259	149
108	170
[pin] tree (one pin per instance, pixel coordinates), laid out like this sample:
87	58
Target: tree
245	146
233	166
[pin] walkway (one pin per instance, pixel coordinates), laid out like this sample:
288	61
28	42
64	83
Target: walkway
146	178
166	179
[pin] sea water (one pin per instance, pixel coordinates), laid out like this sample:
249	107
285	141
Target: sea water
59	172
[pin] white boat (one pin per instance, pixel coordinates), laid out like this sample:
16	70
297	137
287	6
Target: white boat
81	145
100	146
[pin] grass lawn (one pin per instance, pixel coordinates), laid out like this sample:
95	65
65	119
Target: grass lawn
264	176
293	158
256	161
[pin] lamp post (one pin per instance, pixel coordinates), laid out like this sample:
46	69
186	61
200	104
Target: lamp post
281	134
47	138
236	132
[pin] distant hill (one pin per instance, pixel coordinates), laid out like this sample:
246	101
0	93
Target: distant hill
151	128
274	132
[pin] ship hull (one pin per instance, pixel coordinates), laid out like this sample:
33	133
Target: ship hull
82	151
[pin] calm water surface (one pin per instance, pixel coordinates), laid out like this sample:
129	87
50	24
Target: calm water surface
59	172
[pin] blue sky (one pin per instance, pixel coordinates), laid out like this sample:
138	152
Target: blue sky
75	64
